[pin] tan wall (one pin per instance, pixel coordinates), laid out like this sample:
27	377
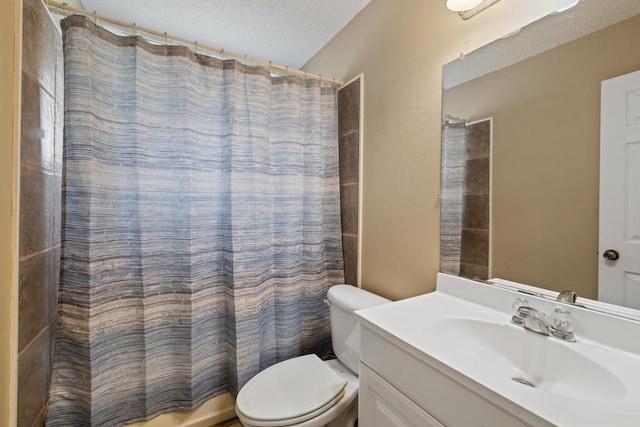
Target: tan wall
401	46
10	30
546	143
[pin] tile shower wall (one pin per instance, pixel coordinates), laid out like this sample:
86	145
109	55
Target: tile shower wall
349	145
40	199
465	207
474	253
453	142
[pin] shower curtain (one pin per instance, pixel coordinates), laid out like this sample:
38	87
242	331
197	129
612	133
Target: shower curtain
201	226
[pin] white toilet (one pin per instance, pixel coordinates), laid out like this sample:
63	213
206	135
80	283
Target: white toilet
305	391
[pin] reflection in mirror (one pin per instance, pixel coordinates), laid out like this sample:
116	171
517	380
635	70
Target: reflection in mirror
541	90
464	230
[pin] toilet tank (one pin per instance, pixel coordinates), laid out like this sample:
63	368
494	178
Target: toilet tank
345	326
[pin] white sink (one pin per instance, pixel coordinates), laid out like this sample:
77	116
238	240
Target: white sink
544	363
463	330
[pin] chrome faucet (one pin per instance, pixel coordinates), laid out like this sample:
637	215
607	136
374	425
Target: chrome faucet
533	320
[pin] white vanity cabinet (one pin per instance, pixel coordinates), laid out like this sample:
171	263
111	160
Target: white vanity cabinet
398	387
453	358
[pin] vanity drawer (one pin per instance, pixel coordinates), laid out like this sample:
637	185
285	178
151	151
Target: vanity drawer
441	395
382	405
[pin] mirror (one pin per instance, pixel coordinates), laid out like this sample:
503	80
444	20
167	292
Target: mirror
520	191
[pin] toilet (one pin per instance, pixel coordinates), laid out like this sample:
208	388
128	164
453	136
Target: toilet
306	391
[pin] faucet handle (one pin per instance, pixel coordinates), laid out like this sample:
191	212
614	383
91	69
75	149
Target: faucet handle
562	324
562	319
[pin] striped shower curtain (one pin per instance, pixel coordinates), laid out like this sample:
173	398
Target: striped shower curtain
201	226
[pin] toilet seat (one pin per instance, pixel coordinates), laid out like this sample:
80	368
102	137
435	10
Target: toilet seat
290	392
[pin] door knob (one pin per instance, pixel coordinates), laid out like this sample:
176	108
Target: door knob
611	255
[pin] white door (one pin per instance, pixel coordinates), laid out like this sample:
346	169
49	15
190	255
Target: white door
619	279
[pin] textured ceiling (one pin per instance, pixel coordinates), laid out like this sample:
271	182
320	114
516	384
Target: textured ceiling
286	32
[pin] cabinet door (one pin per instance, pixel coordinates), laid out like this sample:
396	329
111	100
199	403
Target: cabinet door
381	405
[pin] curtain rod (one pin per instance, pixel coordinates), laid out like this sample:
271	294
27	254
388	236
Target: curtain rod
189	43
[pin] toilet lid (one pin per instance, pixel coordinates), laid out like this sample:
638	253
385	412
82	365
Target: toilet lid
296	388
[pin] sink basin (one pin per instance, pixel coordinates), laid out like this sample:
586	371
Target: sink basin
544	363
461	334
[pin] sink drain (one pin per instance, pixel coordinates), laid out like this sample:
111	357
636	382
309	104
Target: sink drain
523	381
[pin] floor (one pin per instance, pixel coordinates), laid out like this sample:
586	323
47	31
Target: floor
230	423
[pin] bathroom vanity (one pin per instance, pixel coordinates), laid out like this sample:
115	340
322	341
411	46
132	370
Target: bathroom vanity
454	358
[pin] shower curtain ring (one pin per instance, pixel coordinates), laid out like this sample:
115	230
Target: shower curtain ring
166	40
95	17
195	47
